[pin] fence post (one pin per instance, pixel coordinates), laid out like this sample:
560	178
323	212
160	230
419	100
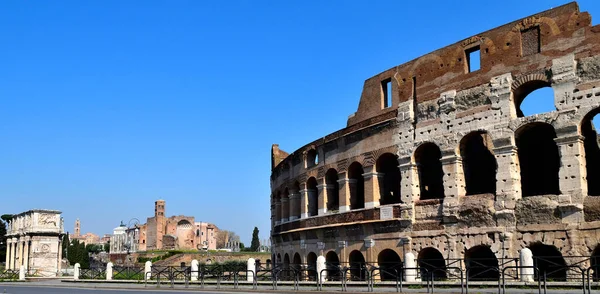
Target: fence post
76	271
147	269
194	272
410	272
251	269
109	272
526	260
321	275
22	273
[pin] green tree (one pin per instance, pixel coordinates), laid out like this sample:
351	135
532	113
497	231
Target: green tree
83	256
255	244
65	245
107	246
6	217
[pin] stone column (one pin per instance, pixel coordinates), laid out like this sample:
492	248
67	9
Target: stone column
344	192
526	259
251	268
277	212
294	206
59	265
573	173
454	185
372	194
303	201
409	190
147	269
508	180
311	194
76	271
19	261
322	202
285	209
109	271
26	253
8	253
410	272
322	276
15	254
194	270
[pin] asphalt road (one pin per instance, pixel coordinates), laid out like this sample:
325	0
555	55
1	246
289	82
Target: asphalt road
69	290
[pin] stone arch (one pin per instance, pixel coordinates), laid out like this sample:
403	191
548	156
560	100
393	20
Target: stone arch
591	144
286	267
312	158
548	259
481	264
479	163
332	262
389	178
390	265
431	261
297	263
539	159
357	186
429	166
357	264
313	206
523	86
333	189
595	263
278	260
311	264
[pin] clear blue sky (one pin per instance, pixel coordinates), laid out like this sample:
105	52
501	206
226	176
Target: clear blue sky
107	106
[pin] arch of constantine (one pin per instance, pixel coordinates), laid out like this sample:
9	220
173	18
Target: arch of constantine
441	167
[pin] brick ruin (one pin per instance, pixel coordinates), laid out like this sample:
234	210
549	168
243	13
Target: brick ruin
440	163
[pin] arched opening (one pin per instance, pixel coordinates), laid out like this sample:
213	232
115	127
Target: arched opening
297	263
539	159
592	151
286	267
333	189
432	263
390	265
285	205
278	209
540	98
278	261
547	259
311	263
357	186
296	213
313	194
479	163
431	175
389	184
312	158
595	263
332	263
358	269
481	264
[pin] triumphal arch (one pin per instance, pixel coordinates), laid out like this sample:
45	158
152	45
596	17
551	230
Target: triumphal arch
440	166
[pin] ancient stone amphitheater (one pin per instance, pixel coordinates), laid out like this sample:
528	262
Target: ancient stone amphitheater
439	169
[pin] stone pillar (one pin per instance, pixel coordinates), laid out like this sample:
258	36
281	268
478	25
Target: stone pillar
251	268
372	194
194	273
526	259
294	205
19	261
285	209
277	212
109	271
322	276
573	173
314	195
22	272
59	265
15	254
8	253
410	265
508	180
147	269
409	188
322	202
454	185
26	253
76	271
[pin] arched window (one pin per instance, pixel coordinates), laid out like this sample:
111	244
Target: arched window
482	264
479	164
389	184
311	260
313	206
589	130
432	262
312	158
534	97
357	186
333	189
431	175
390	265
358	269
332	262
539	159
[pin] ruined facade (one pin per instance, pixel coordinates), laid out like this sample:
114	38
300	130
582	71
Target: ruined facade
439	161
175	232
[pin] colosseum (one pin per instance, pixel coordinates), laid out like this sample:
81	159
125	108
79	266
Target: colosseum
439	169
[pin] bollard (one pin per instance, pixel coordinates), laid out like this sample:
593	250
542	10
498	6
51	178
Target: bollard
194	272
251	269
527	262
22	273
76	271
109	271
410	267
321	275
147	269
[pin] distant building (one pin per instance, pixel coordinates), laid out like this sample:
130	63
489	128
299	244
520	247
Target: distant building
175	232
34	242
124	240
87	238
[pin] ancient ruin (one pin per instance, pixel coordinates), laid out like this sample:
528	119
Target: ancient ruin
440	167
34	242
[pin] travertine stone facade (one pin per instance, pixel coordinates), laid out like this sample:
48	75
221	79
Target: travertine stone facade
447	166
34	242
